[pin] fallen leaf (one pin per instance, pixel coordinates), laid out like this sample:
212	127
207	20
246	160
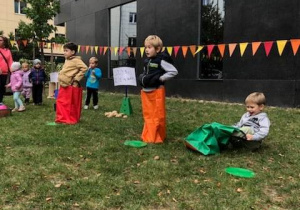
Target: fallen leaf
281	155
76	205
202	171
156	157
196	181
49	199
136	182
160	194
168	191
219	184
57	185
174	200
239	190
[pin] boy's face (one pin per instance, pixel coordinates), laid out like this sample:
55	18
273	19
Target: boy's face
254	108
25	67
93	64
150	50
37	66
68	53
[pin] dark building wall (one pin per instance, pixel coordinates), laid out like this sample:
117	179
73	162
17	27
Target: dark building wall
177	23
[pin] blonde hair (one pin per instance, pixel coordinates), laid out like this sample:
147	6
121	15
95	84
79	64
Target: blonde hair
94	59
25	64
257	98
155	41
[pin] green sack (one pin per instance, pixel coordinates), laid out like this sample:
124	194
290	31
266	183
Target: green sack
209	137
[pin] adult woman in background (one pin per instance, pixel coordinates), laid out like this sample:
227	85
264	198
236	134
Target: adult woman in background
5	62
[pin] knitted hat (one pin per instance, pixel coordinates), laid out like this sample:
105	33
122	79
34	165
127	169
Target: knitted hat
36	61
15	66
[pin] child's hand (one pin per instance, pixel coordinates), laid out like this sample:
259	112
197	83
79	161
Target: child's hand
75	84
249	137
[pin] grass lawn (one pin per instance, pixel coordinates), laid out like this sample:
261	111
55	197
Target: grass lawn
86	166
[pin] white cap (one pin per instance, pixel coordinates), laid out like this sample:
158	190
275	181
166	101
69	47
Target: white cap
15	66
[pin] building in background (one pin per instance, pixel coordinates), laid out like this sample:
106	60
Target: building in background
227	69
10	16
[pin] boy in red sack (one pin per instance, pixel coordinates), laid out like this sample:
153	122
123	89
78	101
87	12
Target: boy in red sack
68	103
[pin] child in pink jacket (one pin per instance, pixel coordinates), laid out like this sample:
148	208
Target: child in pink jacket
16	85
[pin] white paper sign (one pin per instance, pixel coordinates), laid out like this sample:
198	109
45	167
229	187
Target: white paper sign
124	76
54	77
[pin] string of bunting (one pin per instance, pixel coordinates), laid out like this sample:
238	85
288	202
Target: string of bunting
174	50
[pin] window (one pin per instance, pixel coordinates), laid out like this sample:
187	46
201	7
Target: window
132	17
212	27
19	6
123	34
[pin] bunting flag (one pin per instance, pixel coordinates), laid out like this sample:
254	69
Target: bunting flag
210	49
142	49
295	45
105	50
176	49
243	47
221	48
184	50
193	49
281	45
268	46
96	49
78	48
116	50
170	50
82	49
87	49
231	48
25	41
200	47
163	49
128	51
134	49
255	46
101	50
121	49
92	49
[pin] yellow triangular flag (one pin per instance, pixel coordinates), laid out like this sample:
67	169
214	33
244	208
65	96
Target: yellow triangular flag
78	49
281	45
163	49
142	49
170	50
12	42
96	49
49	45
200	47
116	50
243	47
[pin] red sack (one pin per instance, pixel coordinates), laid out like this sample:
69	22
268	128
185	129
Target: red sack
68	105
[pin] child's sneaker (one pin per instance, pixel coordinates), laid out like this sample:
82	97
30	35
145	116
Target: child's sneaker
96	107
86	107
21	109
15	110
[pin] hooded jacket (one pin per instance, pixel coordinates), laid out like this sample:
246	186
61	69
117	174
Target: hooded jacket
73	70
16	81
259	123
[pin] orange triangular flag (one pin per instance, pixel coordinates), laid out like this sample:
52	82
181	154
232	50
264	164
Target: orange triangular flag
170	50
295	45
221	48
210	49
142	49
243	47
25	41
200	47
281	45
193	49
96	49
184	50
128	51
134	49
255	46
176	48
87	49
104	50
121	50
268	45
231	48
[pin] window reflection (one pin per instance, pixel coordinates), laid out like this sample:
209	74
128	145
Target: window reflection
123	35
212	28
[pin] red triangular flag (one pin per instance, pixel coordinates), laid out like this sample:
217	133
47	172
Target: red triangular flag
100	50
295	45
82	49
121	50
268	45
210	49
176	49
25	42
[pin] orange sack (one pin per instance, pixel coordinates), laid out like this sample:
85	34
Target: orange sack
154	113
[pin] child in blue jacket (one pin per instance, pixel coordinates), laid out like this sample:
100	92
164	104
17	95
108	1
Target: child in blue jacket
37	77
93	76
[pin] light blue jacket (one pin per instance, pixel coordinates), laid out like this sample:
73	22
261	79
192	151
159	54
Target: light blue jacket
93	78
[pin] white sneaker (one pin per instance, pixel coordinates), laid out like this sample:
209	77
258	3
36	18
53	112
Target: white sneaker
96	107
86	107
21	109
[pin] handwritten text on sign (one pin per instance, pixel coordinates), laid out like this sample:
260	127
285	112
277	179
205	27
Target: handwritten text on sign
124	76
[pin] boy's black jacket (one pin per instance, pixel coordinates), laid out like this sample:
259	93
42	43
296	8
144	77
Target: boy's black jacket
153	70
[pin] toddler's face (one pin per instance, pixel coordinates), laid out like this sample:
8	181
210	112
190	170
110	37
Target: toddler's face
68	53
37	66
93	64
25	68
254	108
150	50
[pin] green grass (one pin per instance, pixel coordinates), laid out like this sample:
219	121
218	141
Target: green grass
86	166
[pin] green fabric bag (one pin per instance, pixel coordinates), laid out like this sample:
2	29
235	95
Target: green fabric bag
209	137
